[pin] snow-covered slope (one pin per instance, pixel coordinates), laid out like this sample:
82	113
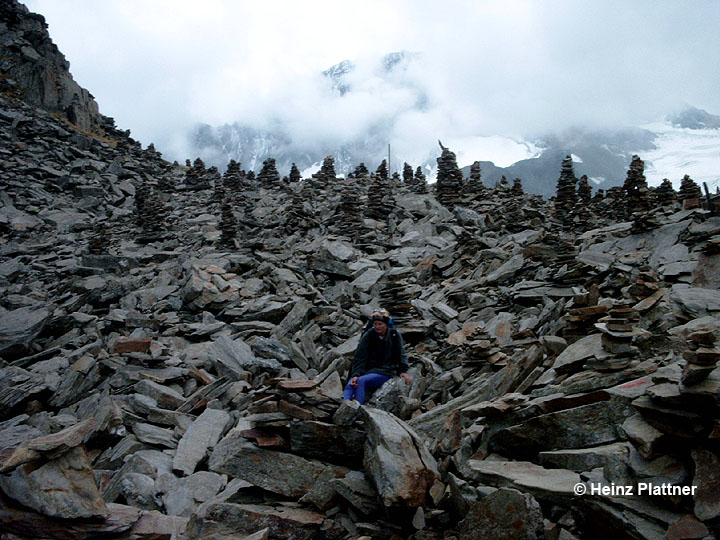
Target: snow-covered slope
680	151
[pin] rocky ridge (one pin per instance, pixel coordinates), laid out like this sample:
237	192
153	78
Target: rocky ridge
172	359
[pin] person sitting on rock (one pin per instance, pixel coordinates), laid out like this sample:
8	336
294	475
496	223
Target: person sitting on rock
379	356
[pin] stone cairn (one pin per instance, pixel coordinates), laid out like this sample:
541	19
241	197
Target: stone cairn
637	193
581	320
665	193
228	224
381	201
566	195
517	189
361	171
298	217
196	177
584	191
326	175
382	171
419	182
474	186
150	213
233	177
690	193
481	348
100	240
617	335
268	176
701	359
407	174
449	179
348	219
397	296
295	175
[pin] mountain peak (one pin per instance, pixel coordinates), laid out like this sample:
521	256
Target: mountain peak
694	118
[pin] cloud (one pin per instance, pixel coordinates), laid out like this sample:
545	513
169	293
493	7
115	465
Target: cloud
514	68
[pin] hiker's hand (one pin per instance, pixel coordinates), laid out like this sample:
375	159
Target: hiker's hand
406	377
353	381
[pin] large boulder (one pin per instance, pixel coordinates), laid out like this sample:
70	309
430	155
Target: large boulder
396	460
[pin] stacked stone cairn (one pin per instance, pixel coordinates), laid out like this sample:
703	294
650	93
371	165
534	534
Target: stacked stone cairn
481	348
517	189
382	171
637	193
584	191
233	177
348	218
268	175
396	296
581	320
566	195
381	201
618	330
407	174
665	193
474	186
228	224
702	358
689	193
295	175
326	176
360	172
196	177
100	240
298	216
449	179
420	185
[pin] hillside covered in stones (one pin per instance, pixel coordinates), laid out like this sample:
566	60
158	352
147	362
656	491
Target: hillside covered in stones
174	341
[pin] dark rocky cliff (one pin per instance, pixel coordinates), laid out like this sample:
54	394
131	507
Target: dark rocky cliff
32	66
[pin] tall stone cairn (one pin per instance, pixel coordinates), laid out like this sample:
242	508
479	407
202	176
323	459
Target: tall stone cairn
381	201
420	184
474	185
407	174
100	240
566	196
298	217
689	189
196	177
233	177
348	219
449	179
517	189
150	212
382	171
268	176
665	193
294	174
636	189
584	191
361	171
228	224
326	175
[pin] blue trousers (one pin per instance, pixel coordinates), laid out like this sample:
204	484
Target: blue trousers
369	381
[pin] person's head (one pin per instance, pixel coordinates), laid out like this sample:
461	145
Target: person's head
381	319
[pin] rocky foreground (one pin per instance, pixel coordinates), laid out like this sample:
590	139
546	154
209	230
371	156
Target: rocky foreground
174	342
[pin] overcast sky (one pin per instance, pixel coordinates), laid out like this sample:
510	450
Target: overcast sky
511	67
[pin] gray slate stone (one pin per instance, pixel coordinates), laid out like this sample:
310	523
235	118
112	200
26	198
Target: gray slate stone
200	438
396	460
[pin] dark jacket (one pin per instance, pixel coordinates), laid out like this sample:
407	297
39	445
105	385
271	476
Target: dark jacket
375	354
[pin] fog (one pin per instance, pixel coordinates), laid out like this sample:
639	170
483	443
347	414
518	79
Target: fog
516	68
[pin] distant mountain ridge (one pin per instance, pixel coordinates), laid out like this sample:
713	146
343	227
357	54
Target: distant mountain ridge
602	154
